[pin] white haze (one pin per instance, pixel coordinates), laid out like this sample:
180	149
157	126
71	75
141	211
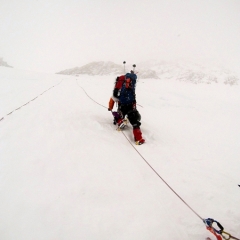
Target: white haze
55	35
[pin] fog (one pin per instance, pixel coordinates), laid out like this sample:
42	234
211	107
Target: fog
53	35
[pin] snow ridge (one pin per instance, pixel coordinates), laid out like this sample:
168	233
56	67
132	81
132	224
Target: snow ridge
95	68
4	64
192	73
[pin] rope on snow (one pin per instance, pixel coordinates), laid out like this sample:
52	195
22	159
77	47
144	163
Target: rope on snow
149	163
28	102
221	233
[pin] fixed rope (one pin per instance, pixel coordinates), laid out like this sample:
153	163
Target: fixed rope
29	101
223	234
160	176
149	163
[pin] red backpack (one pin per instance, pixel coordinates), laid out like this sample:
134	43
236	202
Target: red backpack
119	82
118	85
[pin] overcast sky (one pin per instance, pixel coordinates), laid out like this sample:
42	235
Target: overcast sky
52	35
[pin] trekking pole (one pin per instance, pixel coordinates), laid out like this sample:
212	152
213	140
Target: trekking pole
124	62
134	65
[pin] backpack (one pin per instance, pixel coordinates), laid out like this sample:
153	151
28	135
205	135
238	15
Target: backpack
127	93
118	85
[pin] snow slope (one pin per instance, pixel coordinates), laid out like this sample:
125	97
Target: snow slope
66	173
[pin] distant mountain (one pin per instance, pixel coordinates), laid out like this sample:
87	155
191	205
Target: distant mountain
95	68
188	72
105	68
191	72
147	73
4	64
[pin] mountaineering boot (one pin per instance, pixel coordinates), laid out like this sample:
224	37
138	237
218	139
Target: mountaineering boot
138	136
122	123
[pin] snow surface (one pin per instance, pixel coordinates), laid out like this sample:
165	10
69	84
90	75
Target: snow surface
66	173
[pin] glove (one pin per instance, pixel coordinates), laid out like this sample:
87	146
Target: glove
109	109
